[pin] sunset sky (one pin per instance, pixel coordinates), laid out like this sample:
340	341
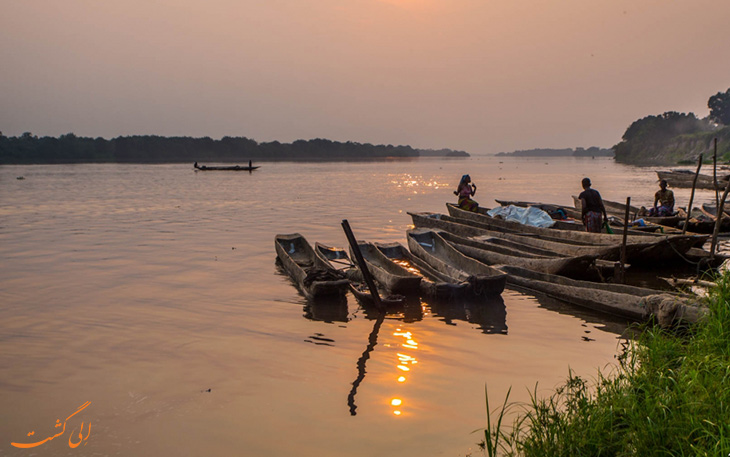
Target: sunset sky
480	75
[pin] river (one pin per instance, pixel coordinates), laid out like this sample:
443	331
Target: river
152	293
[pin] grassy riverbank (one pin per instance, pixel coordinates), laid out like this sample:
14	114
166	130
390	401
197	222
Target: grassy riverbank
669	396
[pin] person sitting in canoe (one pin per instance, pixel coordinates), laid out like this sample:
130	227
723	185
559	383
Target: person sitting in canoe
592	207
465	191
666	198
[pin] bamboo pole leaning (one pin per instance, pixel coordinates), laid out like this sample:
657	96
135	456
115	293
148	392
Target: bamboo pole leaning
692	195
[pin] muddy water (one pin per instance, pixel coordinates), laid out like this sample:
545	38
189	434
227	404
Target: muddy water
152	293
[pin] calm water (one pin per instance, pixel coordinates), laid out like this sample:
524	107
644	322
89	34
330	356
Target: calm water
152	292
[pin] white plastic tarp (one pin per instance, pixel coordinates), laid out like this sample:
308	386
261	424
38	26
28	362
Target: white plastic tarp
528	216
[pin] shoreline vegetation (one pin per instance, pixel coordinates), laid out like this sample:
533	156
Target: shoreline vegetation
674	138
30	149
669	395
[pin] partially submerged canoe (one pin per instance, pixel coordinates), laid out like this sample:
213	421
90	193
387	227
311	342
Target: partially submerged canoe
392	276
635	303
433	283
334	258
298	259
440	255
490	254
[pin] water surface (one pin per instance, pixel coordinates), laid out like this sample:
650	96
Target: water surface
152	292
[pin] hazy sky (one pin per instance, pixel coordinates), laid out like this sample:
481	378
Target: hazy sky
480	75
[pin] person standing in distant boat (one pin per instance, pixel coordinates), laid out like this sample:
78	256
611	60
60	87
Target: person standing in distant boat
592	209
666	198
465	191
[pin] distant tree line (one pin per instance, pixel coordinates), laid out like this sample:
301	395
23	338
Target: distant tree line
677	137
593	151
69	148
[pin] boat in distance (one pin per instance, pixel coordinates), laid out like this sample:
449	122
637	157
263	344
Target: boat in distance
298	259
441	256
224	168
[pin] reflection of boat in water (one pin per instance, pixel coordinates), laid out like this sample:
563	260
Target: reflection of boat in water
489	313
329	309
326	309
298	259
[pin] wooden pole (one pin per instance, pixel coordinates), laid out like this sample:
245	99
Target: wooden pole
718	221
692	195
361	263
714	177
625	237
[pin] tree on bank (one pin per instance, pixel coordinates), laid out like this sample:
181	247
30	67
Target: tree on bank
674	137
719	105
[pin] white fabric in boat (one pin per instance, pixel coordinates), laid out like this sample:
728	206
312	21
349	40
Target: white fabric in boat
528	216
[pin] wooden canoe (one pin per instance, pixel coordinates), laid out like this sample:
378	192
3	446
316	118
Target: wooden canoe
298	259
685	178
635	303
712	209
334	258
491	254
677	243
654	249
440	255
577	224
390	275
619	210
224	168
433	283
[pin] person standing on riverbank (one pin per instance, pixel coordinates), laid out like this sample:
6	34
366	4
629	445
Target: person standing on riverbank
592	209
465	191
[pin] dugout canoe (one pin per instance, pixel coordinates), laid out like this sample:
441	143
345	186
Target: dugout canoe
333	258
433	283
630	302
685	178
577	224
224	168
619	210
440	255
668	248
712	209
491	254
392	276
677	243
298	259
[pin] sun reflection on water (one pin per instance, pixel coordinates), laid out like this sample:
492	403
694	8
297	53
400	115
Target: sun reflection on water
405	364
